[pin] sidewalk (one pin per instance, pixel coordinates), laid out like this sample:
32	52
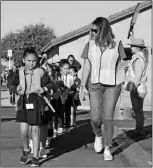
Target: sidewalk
75	149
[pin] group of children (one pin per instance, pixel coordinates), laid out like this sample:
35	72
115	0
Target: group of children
48	97
64	98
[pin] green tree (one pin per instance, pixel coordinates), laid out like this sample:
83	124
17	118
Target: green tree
37	35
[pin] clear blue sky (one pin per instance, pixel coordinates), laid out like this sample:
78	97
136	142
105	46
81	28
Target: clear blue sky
62	16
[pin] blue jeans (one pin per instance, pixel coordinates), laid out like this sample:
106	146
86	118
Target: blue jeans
103	99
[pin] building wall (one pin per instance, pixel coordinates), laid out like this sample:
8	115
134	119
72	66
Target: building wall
53	55
142	30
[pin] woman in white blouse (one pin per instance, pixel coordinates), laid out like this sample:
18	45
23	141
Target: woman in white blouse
103	73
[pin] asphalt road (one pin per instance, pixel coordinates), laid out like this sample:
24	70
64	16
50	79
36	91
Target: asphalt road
75	149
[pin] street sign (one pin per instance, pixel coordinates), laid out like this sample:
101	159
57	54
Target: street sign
9	53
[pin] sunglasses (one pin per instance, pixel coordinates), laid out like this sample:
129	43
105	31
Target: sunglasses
94	31
71	60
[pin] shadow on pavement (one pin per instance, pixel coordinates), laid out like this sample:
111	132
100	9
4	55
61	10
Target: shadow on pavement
7	119
125	140
4	89
4	98
81	112
78	137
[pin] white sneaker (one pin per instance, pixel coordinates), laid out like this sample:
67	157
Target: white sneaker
31	145
98	146
107	155
60	130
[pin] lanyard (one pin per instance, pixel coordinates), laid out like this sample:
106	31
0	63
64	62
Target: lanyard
30	83
65	80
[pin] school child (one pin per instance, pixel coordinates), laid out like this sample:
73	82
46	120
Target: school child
56	125
58	102
47	113
9	85
53	118
32	85
45	133
74	91
67	100
44	126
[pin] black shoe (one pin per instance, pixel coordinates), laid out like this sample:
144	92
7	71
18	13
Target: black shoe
25	156
136	134
35	162
140	131
67	129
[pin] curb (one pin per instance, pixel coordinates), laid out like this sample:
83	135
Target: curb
87	107
7	106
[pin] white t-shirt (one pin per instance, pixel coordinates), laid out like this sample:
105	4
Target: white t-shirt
68	80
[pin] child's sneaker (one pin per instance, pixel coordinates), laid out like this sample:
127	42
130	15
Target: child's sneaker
67	130
25	156
35	162
60	130
42	153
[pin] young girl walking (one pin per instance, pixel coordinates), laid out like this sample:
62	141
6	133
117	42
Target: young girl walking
53	118
31	87
74	90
